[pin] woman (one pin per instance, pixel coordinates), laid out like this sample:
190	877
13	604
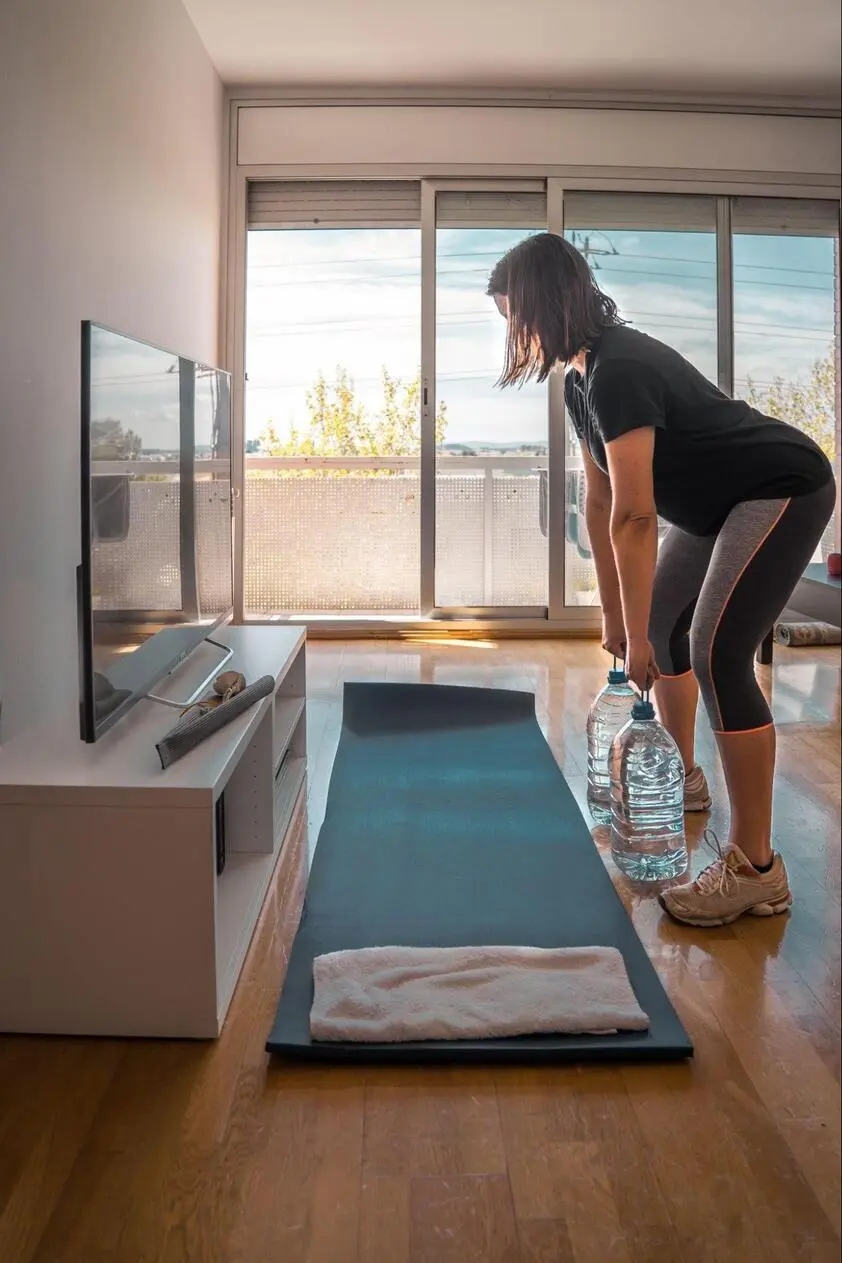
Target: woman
747	498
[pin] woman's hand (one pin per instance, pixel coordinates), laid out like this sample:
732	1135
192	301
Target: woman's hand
641	667
614	635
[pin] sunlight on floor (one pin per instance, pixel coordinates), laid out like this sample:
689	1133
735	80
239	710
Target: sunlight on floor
446	641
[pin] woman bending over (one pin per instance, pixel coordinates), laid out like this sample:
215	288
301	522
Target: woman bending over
747	498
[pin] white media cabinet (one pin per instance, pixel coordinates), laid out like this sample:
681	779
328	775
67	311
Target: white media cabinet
113	920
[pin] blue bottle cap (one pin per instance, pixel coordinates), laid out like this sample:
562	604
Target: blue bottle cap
643	709
617	677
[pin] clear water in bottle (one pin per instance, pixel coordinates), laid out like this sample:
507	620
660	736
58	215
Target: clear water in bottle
609	713
647	800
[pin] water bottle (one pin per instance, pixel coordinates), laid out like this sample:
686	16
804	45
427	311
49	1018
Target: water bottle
609	713
647	799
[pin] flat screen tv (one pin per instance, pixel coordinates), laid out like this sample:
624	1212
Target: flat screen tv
156	576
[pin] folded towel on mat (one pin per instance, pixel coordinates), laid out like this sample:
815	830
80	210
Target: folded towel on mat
398	994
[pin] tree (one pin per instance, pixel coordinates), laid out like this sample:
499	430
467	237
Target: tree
809	406
109	441
338	424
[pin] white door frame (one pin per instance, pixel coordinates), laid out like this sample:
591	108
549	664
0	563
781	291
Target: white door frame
429	607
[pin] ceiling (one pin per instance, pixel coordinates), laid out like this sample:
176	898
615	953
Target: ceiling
739	48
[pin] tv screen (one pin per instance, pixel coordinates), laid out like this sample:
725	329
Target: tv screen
157	559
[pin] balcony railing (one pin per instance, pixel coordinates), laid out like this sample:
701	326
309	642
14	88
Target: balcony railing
354	523
342	534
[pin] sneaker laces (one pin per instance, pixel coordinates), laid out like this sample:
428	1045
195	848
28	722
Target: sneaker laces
695	782
718	877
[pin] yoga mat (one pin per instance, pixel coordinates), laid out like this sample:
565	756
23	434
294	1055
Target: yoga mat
449	824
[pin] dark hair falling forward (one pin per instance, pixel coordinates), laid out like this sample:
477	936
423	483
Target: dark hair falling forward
556	308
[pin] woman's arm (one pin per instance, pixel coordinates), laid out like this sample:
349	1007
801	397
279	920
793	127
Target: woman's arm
598	502
634	539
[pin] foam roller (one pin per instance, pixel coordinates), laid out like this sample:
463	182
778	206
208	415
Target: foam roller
796	634
196	726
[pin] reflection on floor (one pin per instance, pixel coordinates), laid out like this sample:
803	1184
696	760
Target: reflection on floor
173	1153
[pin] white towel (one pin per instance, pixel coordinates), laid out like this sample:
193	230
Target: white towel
396	994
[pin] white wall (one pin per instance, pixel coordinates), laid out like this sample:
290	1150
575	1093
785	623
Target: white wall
111	119
430	138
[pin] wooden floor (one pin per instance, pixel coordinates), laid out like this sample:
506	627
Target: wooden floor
115	1152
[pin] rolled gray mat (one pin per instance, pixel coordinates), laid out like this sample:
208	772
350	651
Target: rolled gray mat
195	727
797	634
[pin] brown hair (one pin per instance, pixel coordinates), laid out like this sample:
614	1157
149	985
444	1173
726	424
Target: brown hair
556	308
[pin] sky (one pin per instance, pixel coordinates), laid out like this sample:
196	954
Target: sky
322	299
351	298
138	385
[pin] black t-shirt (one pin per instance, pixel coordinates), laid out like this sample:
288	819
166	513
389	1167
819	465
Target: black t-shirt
711	452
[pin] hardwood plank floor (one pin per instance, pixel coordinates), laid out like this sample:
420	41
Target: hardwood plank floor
118	1152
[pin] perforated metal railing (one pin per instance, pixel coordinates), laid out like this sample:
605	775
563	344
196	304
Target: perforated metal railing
343	534
336	534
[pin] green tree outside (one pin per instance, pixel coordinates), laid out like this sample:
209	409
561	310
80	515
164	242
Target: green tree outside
338	425
111	442
809	406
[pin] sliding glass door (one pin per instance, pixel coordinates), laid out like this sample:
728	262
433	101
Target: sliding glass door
656	256
332	416
786	316
341	278
491	446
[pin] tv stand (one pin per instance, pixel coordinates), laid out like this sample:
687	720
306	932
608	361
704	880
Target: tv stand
113	918
202	688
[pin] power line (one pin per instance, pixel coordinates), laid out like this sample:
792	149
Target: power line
488	375
818	289
470	254
480	316
649	274
474	375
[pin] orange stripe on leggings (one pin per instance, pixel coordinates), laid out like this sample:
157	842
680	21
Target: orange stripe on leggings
748	562
742	732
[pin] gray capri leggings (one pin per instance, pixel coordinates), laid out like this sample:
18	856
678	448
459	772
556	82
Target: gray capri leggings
716	597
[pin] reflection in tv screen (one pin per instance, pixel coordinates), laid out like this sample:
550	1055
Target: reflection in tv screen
156	512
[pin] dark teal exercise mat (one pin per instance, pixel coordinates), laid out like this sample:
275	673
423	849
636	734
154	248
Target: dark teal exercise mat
450	824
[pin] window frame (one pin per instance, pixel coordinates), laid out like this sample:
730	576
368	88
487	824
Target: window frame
723	186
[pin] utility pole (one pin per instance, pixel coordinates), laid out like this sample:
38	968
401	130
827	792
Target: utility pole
582	242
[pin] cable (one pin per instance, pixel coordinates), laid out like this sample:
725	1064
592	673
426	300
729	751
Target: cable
470	254
648	274
478	316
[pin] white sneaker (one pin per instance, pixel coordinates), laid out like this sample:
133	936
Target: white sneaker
728	889
696	792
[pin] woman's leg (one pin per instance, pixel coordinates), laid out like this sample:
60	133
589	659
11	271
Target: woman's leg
748	759
677	700
759	556
683	562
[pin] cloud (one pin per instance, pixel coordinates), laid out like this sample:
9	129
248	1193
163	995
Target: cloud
321	299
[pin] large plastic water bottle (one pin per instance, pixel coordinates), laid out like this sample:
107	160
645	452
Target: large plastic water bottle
647	799
609	713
